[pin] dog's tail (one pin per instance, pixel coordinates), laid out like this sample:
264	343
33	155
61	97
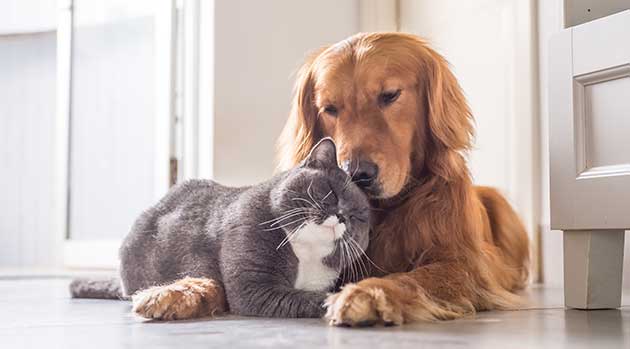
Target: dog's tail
97	288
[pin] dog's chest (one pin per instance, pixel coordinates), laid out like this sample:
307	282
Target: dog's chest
311	245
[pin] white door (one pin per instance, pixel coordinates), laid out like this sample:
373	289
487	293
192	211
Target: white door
27	115
116	110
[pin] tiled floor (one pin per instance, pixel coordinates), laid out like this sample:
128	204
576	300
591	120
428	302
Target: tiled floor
37	313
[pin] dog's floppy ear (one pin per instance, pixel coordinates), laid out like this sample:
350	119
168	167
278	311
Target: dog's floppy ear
300	131
449	117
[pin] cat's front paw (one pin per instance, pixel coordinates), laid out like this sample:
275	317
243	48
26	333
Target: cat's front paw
184	299
358	305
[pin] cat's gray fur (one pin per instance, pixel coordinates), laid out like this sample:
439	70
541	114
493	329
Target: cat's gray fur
204	229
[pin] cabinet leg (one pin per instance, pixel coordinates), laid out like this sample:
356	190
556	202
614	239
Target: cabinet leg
593	268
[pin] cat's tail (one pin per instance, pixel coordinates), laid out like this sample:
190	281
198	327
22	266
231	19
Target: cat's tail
97	288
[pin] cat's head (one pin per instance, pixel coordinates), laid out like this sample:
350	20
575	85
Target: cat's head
320	195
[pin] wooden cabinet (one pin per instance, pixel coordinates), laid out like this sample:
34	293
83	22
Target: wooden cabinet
589	96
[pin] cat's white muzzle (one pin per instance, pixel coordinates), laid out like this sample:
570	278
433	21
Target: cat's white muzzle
338	229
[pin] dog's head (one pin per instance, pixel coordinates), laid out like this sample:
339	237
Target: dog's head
392	106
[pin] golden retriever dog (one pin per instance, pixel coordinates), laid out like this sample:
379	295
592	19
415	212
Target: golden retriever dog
442	247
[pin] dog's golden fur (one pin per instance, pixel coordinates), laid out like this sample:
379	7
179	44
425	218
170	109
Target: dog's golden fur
449	248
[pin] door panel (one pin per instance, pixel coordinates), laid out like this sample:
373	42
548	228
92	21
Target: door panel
590	125
601	44
27	114
112	150
606	110
115	121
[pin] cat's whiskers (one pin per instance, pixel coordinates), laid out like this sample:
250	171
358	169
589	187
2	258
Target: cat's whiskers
293	215
291	235
357	251
308	191
292	209
307	201
353	258
349	180
342	259
299	210
294	233
287	224
326	196
358	262
340	264
353	271
349	261
366	256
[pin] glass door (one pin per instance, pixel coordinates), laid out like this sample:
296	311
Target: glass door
120	119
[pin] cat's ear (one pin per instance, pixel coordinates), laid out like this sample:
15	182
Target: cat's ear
323	154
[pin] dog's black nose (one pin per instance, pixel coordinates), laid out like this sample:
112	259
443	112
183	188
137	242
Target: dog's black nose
363	172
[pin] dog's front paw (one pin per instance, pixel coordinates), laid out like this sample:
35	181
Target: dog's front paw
357	305
183	299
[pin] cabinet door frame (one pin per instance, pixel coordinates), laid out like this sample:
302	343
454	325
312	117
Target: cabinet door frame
103	254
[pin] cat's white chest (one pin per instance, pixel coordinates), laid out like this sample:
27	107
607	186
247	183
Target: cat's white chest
311	244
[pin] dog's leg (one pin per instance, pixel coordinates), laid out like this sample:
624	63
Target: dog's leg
184	299
439	291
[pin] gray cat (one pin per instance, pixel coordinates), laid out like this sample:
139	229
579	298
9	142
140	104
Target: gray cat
272	249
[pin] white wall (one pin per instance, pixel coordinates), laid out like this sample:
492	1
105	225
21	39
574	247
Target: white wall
258	47
27	16
489	45
550	21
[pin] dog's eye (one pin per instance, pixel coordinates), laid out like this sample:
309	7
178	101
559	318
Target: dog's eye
331	110
388	97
